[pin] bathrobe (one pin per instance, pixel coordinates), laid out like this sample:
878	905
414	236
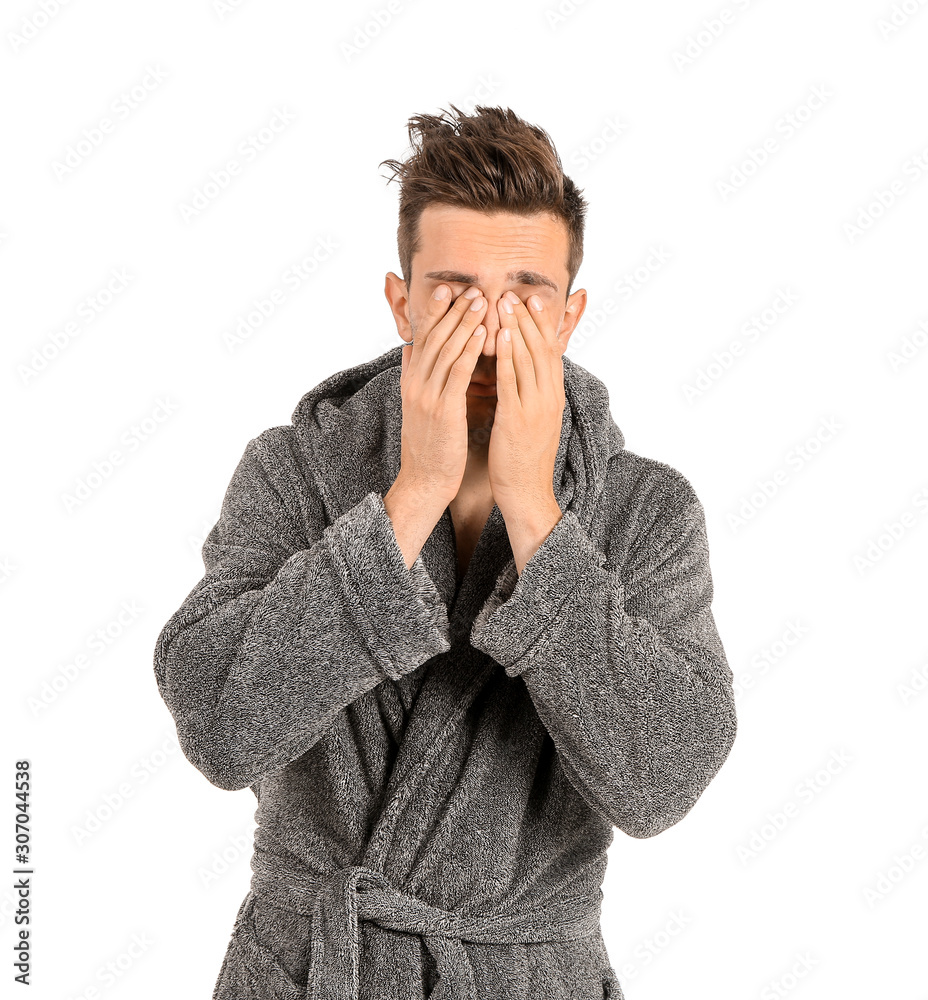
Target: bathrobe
439	768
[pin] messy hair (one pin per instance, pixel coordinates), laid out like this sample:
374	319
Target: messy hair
491	161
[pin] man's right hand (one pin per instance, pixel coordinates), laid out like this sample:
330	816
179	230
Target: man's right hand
437	369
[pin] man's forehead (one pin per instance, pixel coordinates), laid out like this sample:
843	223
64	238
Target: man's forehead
458	245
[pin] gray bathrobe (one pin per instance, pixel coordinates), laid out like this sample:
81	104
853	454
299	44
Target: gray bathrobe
439	768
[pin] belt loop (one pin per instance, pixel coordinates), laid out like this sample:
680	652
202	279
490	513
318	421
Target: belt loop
334	971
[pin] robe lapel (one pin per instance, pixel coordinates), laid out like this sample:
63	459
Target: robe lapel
361	446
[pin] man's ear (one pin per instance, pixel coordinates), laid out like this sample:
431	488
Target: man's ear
576	304
395	291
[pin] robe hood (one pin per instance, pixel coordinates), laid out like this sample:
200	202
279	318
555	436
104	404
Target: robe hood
350	426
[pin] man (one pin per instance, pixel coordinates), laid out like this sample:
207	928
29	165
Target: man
451	633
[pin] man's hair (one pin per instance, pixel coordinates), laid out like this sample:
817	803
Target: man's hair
491	161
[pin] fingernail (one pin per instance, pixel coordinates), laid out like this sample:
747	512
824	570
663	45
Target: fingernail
535	303
441	292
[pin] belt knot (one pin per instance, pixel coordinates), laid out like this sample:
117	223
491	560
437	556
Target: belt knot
340	900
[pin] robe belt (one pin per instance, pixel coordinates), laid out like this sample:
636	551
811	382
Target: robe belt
339	901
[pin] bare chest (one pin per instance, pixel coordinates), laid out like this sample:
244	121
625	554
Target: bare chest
469	519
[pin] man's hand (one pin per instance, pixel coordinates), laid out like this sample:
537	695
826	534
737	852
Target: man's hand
436	371
526	430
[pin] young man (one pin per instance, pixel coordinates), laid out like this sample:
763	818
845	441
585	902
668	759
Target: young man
451	632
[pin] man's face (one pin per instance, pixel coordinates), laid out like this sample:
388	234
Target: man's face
461	247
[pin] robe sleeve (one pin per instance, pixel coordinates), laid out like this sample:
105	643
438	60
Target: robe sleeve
623	663
292	621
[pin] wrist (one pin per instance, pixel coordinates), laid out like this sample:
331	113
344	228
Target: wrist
409	489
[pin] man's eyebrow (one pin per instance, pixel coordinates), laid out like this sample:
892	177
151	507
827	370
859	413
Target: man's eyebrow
519	277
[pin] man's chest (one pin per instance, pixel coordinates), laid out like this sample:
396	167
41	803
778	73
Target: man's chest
468	520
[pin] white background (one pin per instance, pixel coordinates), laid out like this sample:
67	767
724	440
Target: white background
771	886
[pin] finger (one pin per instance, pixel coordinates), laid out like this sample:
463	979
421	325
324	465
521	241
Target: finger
436	307
543	318
437	310
507	387
507	323
436	328
453	344
462	369
526	344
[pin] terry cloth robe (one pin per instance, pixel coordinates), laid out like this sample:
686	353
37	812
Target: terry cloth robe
439	769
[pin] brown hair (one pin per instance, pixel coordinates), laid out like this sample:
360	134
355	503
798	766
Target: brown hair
491	161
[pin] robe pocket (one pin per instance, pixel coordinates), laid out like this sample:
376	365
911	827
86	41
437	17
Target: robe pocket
612	990
266	975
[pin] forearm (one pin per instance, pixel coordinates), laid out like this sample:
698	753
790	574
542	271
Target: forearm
528	524
414	511
626	671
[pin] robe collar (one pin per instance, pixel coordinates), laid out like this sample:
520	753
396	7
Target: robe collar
349	428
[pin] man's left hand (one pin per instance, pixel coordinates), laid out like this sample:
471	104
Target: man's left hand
526	429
